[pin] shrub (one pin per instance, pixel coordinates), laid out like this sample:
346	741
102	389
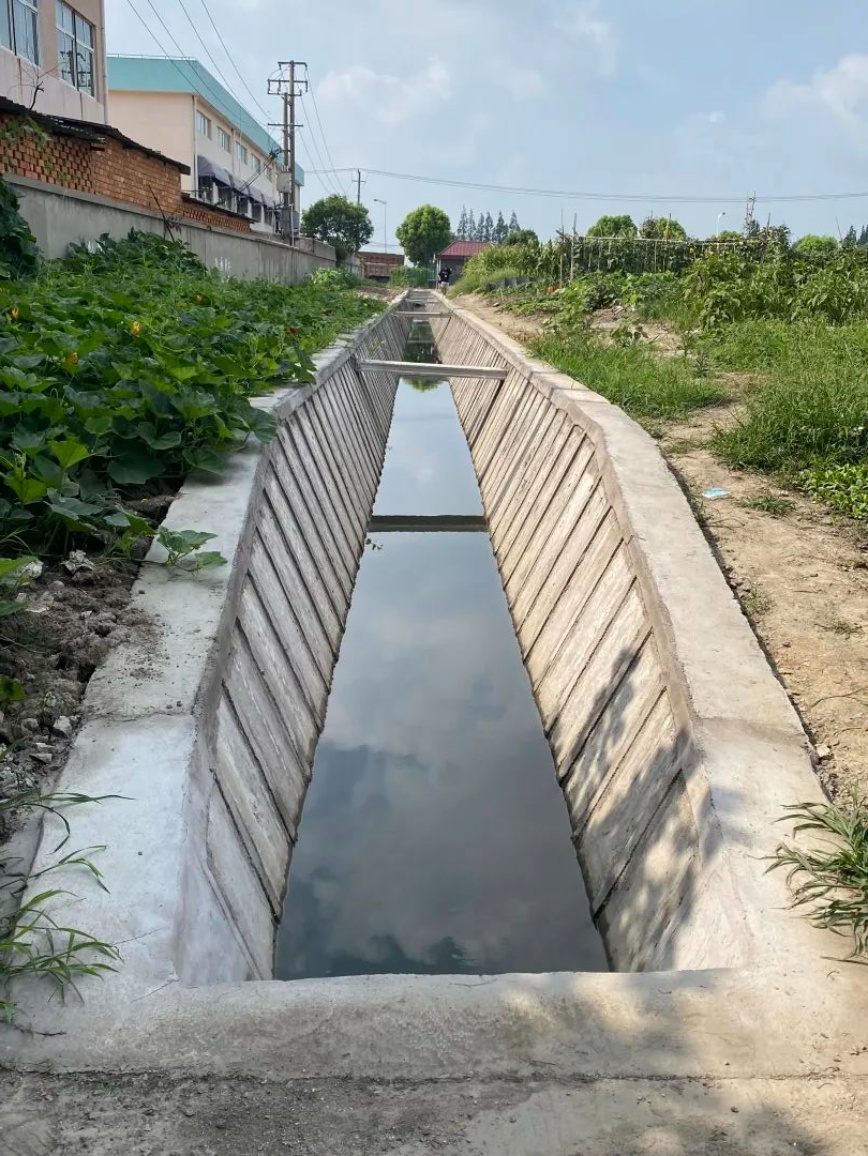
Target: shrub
132	363
409	276
19	253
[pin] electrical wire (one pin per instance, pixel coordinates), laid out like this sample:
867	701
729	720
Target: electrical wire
573	195
214	63
231	60
322	134
218	100
332	186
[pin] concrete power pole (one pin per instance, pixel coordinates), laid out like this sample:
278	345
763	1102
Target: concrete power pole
287	86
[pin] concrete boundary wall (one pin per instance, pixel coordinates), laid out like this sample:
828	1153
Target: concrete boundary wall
59	217
675	746
206	724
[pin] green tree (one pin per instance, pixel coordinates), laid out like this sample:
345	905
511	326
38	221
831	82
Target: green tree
339	223
461	231
862	243
851	239
471	227
500	231
423	233
662	229
814	245
488	230
609	226
514	226
522	237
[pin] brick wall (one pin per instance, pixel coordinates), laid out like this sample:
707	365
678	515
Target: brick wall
107	168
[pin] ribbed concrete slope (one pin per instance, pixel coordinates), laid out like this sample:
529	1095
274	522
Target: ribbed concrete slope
595	630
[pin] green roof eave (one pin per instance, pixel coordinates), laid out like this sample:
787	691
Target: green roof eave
184	74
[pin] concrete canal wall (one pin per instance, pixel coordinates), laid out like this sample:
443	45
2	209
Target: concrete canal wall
675	746
203	726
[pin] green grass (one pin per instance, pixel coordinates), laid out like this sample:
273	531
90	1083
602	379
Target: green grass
831	879
645	385
769	504
32	943
810	408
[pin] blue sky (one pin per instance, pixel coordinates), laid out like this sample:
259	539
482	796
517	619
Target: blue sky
630	98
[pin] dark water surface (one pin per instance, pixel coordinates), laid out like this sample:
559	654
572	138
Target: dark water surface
434	837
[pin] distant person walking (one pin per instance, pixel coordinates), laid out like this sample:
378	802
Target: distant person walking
445	278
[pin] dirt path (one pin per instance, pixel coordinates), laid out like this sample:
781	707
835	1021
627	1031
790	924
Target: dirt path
519	328
800	575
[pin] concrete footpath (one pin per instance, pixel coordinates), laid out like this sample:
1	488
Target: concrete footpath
679	1064
161	1116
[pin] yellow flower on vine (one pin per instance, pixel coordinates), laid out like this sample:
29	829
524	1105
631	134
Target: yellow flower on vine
135	328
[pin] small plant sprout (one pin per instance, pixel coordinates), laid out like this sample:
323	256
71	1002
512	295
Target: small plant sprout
831	879
182	549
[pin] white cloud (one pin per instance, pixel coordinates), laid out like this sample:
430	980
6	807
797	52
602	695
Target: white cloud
583	23
520	82
391	99
841	91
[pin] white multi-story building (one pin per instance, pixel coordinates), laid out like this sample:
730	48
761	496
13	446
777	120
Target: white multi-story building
177	107
52	57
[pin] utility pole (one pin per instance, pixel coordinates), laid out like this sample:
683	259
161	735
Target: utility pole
287	86
359	184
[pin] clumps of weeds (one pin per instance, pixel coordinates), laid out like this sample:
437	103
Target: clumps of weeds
831	879
755	602
772	504
32	942
841	626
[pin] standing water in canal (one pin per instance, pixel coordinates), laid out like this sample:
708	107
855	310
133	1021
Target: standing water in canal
434	837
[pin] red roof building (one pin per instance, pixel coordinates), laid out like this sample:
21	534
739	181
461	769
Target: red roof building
458	254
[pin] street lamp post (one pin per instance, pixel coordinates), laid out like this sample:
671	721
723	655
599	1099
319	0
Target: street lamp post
385	205
720	217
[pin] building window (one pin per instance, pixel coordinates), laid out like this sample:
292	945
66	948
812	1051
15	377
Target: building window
225	197
19	28
255	212
75	48
241	152
203	125
224	140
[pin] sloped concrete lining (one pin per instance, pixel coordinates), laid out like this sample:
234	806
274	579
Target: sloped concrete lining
676	747
206	725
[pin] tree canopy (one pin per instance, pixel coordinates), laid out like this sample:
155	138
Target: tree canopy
339	223
423	233
815	245
609	226
522	237
662	229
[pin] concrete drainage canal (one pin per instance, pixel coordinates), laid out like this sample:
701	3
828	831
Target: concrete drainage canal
434	838
542	670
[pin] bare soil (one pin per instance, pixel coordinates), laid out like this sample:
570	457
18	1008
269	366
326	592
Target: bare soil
72	616
800	574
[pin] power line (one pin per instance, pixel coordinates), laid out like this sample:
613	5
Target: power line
231	60
573	195
214	63
325	142
332	186
218	100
